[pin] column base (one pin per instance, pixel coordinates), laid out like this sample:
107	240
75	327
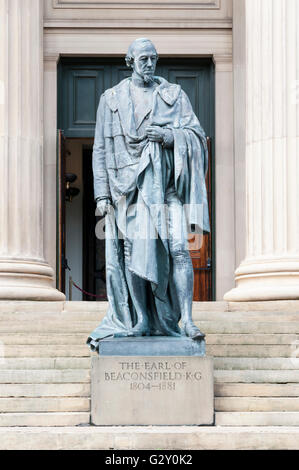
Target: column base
27	280
262	280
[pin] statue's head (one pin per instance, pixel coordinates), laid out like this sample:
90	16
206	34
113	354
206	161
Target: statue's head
142	57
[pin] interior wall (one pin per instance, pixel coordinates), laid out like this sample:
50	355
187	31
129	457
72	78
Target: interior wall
74	217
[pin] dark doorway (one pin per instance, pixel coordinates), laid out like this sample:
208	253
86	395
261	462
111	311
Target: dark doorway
94	280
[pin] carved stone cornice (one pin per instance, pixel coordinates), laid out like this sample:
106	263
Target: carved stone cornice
138	14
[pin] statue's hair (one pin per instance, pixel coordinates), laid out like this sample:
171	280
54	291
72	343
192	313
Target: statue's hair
130	54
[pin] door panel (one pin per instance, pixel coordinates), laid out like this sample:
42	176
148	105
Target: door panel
202	258
195	81
82	81
85	104
80	91
119	73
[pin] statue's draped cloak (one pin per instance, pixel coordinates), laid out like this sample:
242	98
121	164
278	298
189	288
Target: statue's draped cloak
143	179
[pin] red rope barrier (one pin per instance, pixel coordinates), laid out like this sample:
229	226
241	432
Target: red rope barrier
88	293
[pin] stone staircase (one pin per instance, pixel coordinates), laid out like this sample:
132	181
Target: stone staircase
45	370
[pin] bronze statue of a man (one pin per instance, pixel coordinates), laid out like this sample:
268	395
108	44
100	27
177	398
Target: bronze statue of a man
149	162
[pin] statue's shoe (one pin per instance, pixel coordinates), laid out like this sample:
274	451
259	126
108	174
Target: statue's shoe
141	329
191	330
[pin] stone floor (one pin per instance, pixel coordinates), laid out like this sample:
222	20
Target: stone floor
149	438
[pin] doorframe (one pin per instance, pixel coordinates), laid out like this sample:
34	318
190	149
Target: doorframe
216	44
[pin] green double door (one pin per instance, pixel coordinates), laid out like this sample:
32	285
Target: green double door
81	83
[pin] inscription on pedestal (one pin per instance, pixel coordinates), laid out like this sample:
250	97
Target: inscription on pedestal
149	375
152	390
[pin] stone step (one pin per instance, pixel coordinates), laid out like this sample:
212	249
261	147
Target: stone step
246	404
44	405
78	306
150	437
256	390
46	317
45	390
43	419
43	339
23	351
80	339
266	306
99	313
198	315
257	419
83	390
68	326
21	363
10	307
252	339
222	350
31	307
44	376
52	326
253	363
220	363
241	316
241	350
247	327
256	376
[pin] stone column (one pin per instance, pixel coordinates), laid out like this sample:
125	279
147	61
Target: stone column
224	174
269	73
24	274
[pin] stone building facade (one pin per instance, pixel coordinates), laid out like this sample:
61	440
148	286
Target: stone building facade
254	46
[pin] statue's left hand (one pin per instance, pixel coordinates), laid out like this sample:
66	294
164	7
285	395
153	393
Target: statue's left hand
104	206
155	133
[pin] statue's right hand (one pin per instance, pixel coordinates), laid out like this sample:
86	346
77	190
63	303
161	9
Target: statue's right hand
104	207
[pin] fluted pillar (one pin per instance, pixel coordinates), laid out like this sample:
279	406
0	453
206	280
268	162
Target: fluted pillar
270	70
24	274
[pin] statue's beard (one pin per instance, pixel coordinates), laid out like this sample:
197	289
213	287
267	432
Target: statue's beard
148	78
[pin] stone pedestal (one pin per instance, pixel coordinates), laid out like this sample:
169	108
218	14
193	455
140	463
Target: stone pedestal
151	389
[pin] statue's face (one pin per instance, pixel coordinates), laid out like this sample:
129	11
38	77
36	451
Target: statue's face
145	61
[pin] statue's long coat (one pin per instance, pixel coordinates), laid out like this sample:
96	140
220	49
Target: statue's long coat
128	168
